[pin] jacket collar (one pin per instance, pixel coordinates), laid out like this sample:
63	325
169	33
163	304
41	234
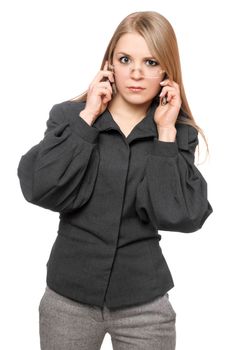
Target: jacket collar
145	128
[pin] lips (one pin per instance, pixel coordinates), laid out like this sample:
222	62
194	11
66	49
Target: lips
136	88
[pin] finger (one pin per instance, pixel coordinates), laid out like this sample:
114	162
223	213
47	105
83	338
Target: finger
103	74
171	96
100	89
165	90
169	82
105	84
103	89
107	98
106	94
108	69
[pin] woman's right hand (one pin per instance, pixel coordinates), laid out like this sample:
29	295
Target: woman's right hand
98	95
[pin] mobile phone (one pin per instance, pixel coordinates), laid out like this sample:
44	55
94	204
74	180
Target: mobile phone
114	90
111	68
164	98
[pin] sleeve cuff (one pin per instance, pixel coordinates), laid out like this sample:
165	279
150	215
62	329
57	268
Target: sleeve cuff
84	130
165	149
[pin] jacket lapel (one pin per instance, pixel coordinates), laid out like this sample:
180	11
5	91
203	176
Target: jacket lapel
145	128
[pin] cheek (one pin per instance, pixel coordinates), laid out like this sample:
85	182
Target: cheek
120	80
154	87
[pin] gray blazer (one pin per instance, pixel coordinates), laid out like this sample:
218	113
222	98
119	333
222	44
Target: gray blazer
113	193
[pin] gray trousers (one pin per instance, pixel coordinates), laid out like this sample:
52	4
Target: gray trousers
65	324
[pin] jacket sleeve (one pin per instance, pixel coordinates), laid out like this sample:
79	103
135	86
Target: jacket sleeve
59	173
173	193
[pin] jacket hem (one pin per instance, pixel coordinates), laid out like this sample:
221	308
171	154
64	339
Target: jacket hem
148	294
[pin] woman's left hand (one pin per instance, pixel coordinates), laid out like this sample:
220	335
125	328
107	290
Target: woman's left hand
165	115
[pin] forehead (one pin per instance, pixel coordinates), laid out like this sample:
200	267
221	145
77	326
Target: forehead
133	44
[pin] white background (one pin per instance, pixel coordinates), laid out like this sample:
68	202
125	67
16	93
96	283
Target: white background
50	52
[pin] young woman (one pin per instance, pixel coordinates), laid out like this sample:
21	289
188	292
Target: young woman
117	163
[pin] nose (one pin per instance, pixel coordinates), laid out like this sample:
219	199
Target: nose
136	72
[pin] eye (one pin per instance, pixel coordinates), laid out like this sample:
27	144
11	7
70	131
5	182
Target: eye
124	59
152	63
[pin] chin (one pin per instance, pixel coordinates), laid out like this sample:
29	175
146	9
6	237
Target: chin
138	100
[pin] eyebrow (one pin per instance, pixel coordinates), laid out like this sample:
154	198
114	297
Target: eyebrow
126	54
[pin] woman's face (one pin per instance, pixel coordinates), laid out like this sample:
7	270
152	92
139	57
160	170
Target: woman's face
137	72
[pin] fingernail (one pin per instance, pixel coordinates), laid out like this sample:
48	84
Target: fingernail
162	82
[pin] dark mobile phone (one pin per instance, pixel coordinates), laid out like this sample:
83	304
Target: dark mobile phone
163	100
110	68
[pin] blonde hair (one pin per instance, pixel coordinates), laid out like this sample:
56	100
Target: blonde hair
162	43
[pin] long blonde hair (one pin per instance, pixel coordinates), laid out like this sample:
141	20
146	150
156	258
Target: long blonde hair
162	43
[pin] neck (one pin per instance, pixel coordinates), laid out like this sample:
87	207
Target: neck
126	111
